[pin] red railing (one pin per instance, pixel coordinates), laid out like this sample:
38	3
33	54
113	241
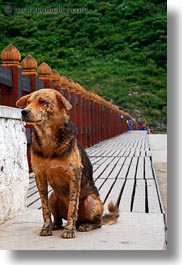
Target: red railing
96	118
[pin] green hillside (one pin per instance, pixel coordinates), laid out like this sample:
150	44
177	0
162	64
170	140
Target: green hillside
114	48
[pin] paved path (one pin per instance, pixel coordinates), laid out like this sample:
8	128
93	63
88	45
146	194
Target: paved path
158	147
123	171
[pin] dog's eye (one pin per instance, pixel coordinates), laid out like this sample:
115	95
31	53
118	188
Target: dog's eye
42	101
28	102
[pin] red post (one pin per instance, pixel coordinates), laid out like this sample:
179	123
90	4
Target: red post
84	120
45	74
104	125
92	119
79	116
99	103
56	80
11	58
108	121
112	123
73	101
89	122
114	120
97	119
65	87
29	68
102	121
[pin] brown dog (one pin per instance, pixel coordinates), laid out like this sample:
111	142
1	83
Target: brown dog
59	160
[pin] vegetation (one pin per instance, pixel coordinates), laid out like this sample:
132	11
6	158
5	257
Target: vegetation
115	48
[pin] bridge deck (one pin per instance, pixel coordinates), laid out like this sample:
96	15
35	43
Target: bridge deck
123	172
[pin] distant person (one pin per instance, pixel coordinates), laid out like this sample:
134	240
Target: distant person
142	126
130	124
151	130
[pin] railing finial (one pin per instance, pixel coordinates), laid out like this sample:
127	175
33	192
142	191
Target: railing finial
44	71
29	65
10	55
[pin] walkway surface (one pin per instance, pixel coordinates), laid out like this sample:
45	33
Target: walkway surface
123	172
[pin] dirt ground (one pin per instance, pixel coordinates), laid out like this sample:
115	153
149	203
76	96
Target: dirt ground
161	173
158	144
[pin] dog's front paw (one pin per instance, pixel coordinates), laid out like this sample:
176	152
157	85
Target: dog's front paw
46	231
68	233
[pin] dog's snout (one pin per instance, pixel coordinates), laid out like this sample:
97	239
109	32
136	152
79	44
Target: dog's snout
25	113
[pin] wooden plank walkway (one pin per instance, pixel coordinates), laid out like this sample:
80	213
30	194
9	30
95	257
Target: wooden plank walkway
123	172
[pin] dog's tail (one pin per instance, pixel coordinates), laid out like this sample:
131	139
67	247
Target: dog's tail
111	217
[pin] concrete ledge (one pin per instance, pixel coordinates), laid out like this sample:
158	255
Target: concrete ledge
14	177
10	113
134	231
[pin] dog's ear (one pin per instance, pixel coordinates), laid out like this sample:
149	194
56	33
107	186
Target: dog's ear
22	102
63	102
